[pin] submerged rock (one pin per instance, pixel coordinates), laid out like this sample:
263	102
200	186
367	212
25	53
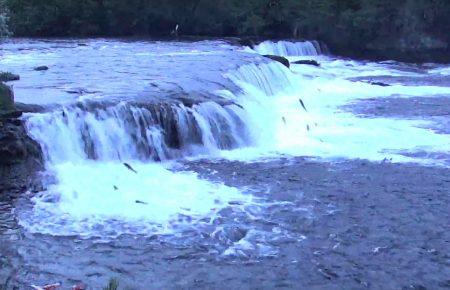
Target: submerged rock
8	77
284	61
307	62
41	68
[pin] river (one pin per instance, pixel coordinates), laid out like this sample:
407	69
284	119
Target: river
206	165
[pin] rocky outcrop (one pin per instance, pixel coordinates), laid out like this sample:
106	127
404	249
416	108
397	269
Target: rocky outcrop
284	61
380	84
307	62
20	159
6	98
20	156
41	68
8	77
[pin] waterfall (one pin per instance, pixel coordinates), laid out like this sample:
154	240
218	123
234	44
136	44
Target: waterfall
103	161
160	131
288	48
270	78
130	132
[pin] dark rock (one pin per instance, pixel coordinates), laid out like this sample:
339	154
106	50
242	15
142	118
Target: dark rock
20	156
380	84
284	61
6	98
15	144
231	234
20	159
8	77
41	68
307	62
29	108
14	114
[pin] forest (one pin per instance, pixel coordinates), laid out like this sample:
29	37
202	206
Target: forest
356	25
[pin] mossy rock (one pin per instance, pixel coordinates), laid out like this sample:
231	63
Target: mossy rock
6	98
8	77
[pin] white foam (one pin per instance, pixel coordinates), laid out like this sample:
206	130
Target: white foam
106	198
441	70
279	124
84	200
288	48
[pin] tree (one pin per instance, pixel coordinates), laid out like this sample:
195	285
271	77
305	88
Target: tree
346	25
4	29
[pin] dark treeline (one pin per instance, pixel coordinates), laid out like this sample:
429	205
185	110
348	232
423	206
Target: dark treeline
343	24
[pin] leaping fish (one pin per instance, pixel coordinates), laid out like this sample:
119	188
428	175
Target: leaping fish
129	167
303	105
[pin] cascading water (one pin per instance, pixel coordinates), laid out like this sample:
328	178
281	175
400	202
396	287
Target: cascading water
104	173
129	132
102	160
161	131
288	48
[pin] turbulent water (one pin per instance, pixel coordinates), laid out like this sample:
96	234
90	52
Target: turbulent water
116	121
288	48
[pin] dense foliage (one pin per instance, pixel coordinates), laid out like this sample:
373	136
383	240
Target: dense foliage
4	30
374	23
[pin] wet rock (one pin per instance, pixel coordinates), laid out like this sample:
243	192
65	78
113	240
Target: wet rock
29	108
6	98
14	114
379	84
284	61
230	234
20	156
307	62
41	68
15	145
8	77
20	159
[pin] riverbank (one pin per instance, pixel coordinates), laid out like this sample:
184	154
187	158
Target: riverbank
431	52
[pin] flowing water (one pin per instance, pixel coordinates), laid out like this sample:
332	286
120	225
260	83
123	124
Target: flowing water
147	147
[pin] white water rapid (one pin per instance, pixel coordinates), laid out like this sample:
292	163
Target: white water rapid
288	48
109	167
